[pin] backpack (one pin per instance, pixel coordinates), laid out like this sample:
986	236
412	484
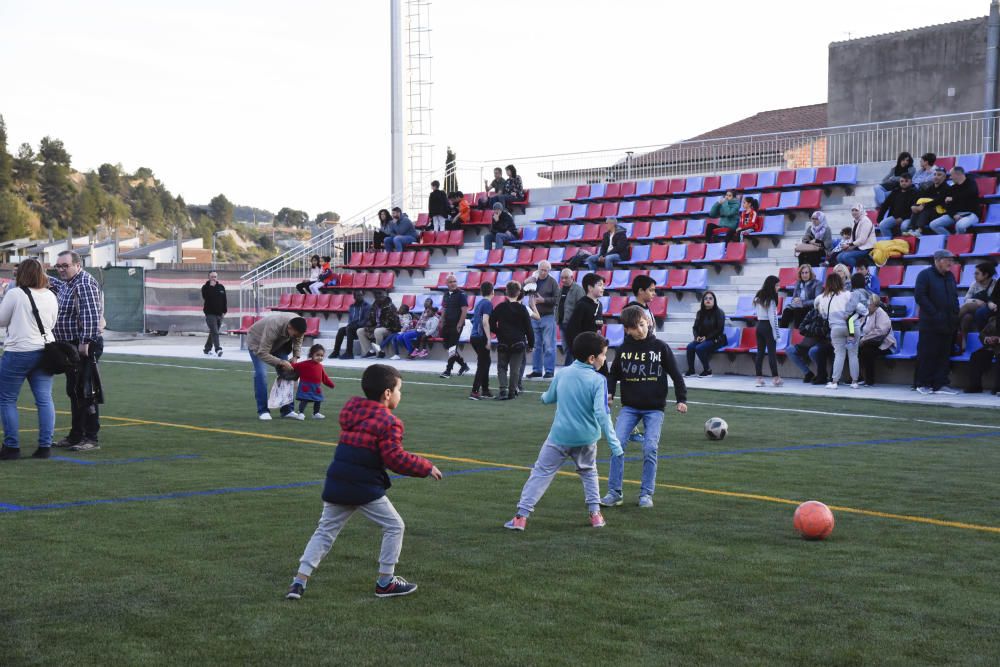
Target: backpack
577	261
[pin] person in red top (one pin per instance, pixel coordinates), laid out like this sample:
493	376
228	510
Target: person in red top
371	440
750	219
460	211
312	377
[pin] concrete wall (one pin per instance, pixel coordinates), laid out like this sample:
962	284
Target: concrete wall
908	74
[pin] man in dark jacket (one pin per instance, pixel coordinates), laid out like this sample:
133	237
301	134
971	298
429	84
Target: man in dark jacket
383	320
502	229
961	203
614	247
982	359
897	208
570	293
933	196
357	316
213	293
937	298
587	315
400	234
438	208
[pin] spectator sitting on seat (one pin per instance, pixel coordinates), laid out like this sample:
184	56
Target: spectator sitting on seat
315	268
750	220
385	223
930	204
904	165
876	339
405	325
357	316
727	210
845	276
438	210
513	189
937	323
897	207
862	238
614	247
570	292
816	242
401	233
982	293
709	335
383	320
801	302
460	211
865	268
502	229
426	327
845	238
494	187
923	176
982	359
961	204
326	276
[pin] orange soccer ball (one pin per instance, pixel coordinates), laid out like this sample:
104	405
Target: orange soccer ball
813	520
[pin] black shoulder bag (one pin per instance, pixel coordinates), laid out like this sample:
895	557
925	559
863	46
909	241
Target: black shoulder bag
58	357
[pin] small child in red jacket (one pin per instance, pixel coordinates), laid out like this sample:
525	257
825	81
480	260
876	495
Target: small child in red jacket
312	377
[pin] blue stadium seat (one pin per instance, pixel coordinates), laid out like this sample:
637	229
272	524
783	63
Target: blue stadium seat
820	273
697	281
657	230
847	174
676	207
504	277
789	199
579	212
695	229
549	214
765	180
910	277
713	253
780	344
619	279
642	189
732	337
805	177
694	184
907	345
971	162
480	258
744	310
626	209
987	245
605	303
556	255
675	254
528	234
729	182
627	226
596	191
640	255
972	343
968	276
509	257
659	276
574	234
928	245
774	226
616	335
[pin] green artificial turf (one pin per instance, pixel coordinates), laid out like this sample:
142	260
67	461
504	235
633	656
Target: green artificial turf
699	579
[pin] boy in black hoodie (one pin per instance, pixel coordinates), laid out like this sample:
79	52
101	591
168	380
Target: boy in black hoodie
642	366
515	338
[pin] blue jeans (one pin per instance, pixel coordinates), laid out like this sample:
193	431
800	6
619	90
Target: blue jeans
851	257
652	422
495	241
888	226
15	367
705	349
567	353
609	261
815	354
260	386
398	243
544	356
961	222
880	195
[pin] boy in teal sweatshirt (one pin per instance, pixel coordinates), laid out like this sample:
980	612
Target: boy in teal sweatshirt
581	397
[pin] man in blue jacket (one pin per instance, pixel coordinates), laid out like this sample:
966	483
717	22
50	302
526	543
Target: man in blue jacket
936	294
357	316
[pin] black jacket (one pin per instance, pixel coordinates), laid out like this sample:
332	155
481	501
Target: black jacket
618	244
504	224
936	193
898	204
512	324
215	299
642	367
710	323
437	204
937	297
586	316
964	198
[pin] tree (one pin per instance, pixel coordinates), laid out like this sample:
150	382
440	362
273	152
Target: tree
15	218
143	174
6	159
291	217
147	206
111	178
328	216
25	167
52	151
58	195
221	211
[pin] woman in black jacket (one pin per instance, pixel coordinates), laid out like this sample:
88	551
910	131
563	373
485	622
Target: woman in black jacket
709	335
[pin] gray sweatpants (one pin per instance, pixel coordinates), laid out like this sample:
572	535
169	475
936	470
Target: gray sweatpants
550	458
334	518
214	323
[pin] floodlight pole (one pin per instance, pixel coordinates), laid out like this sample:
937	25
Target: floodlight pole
396	100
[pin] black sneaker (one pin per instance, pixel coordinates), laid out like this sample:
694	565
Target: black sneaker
463	370
207	351
85	445
502	396
218	353
295	591
445	375
548	375
808	377
533	374
42	453
381	355
347	357
10	453
398	586
66	442
486	394
688	373
707	373
371	355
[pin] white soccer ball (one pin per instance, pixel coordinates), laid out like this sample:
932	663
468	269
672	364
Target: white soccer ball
716	428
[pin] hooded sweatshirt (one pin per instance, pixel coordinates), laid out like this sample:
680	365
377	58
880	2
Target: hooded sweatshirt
642	367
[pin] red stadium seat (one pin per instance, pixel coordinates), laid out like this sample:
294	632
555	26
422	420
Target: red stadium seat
386	280
787	277
769	200
559	233
592	233
627	190
640	229
641	209
785	178
582	194
422	221
536	256
309	302
810	200
658	253
960	244
312	327
544	235
676	185
323	302
694	205
407	259
945	163
393	261
422	259
593	212
695	251
736	253
381	257
658	307
659	208
889	276
748	340
660	190
609	210
612	192
825	175
616	306
284	301
748	181
337	303
472	280
676	278
676	228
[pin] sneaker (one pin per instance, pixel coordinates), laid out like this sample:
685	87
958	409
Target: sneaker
319	415
819	381
377	348
65	442
86	445
707	373
293	415
759	383
925	390
502	396
645	501
597	520
517	523
868	384
688	373
533	374
394	357
831	385
854	385
207	352
218	353
635	436
808	377
42	453
264	417
295	592
475	396
380	355
612	499
346	357
371	355
398	586
947	391
9	453
486	394
463	370
548	375
445	375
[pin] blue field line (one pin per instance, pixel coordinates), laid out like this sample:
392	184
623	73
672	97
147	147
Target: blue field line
115	462
6	507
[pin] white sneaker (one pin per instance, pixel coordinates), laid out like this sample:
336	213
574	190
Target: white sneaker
294	415
394	357
264	416
376	348
831	385
854	385
319	415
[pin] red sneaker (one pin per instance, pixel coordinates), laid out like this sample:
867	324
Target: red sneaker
517	523
597	520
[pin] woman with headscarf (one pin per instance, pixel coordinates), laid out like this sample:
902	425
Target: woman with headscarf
862	238
816	242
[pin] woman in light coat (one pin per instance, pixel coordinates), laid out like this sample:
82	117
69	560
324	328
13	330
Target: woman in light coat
832	305
877	338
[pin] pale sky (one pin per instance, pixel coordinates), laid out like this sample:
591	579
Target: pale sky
287	103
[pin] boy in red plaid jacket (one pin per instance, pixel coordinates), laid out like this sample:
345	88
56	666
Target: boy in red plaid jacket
371	440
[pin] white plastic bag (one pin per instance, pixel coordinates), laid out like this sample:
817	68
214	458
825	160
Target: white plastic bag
282	393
